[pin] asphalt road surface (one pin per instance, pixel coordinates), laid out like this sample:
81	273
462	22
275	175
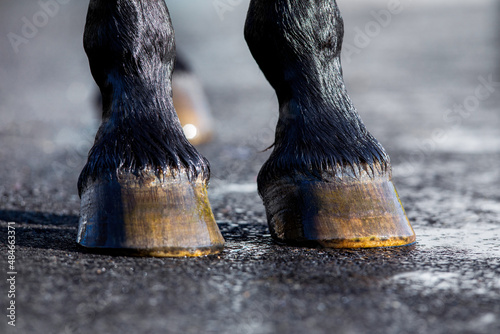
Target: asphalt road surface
424	81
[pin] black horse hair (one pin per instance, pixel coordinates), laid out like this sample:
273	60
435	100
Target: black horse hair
297	45
131	50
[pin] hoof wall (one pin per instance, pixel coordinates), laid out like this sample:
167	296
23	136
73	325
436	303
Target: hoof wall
337	215
147	216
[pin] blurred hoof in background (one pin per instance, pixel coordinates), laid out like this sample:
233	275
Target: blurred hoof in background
191	105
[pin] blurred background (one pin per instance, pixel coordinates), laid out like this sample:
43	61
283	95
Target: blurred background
424	75
409	73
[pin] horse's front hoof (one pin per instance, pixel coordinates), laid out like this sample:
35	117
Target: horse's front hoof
338	214
146	215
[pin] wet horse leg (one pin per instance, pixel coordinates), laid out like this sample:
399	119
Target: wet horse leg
143	189
328	180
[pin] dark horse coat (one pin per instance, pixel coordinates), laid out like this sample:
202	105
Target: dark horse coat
327	181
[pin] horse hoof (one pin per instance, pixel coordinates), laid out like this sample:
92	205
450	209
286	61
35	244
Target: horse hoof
192	108
360	213
147	215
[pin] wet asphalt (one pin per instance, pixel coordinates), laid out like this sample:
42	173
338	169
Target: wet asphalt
424	81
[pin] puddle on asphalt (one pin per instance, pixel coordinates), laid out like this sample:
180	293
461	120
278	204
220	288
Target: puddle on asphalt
435	282
475	240
471	242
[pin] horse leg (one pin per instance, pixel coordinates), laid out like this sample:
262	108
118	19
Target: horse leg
143	189
190	104
328	180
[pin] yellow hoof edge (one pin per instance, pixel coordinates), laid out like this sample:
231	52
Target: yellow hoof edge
144	215
158	252
338	215
369	242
